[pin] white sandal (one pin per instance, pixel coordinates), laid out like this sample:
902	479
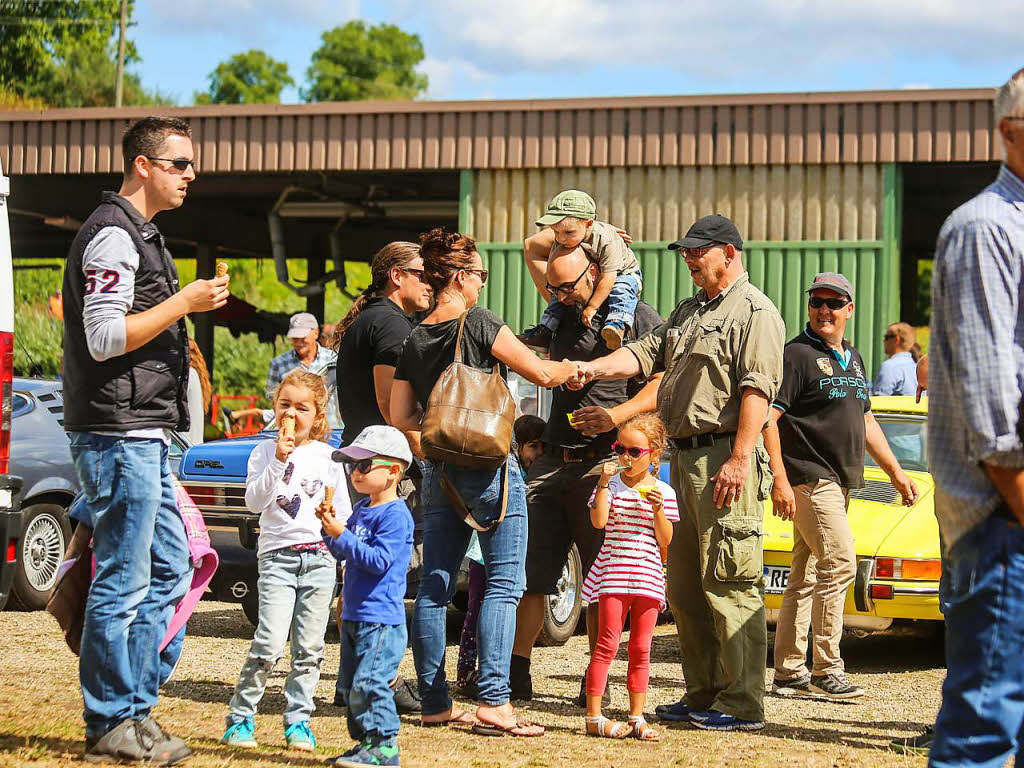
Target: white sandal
605	728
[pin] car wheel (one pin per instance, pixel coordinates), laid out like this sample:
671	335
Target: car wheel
251	608
562	610
45	533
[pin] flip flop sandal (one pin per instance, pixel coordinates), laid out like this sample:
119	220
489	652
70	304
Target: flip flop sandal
463	718
642	731
490	729
607	729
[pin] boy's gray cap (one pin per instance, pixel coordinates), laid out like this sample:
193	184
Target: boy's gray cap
376	440
833	281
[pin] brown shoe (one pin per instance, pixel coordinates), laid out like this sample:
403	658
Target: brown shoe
612	336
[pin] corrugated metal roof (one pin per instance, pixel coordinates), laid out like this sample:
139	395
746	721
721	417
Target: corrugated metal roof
760	129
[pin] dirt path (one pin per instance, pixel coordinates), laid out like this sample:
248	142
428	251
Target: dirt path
40	707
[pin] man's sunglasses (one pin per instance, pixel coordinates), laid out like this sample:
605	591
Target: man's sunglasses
482	272
179	163
890	336
554	290
696	253
417	272
634	453
366	466
816	302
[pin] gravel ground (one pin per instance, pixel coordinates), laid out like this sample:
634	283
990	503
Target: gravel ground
40	707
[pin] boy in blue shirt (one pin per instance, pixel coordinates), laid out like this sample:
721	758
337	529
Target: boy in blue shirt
375	544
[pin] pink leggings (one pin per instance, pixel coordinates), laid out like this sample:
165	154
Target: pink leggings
611	618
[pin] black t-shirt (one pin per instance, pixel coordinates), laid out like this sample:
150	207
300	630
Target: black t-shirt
824	396
574	341
431	348
375	338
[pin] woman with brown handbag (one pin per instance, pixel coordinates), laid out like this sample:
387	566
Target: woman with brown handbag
465	484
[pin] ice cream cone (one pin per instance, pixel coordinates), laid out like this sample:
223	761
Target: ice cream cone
287	426
329	497
222	268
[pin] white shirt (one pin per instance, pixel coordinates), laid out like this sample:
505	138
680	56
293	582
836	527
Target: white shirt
286	494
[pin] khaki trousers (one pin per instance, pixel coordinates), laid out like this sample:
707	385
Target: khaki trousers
716	584
824	566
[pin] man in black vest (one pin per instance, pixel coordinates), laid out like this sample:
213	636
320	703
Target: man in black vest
125	373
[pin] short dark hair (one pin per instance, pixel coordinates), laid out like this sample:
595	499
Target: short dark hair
528	428
147	135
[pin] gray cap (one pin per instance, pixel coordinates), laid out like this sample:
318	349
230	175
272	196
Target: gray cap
301	324
376	440
833	280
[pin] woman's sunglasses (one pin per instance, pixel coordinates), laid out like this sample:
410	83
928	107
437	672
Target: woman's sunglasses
366	466
481	272
816	302
633	452
179	163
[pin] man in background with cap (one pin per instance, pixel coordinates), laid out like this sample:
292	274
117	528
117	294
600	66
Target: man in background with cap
820	424
306	352
721	352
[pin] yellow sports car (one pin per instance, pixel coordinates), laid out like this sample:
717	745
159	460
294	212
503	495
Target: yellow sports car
897	547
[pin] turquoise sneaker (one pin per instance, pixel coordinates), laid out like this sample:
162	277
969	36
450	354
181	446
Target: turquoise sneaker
240	734
300	737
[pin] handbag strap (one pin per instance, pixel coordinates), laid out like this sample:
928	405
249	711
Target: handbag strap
457	358
460	506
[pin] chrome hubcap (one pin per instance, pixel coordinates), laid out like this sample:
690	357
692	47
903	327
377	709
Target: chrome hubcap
44	550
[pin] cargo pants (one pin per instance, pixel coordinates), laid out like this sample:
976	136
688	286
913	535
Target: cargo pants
715	583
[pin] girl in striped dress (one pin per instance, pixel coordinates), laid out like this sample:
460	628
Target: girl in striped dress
637	511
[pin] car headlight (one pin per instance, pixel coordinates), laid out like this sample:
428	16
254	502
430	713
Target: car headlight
908	568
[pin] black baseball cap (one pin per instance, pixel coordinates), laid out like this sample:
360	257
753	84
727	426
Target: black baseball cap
709	230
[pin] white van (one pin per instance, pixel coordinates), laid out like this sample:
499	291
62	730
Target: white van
10	517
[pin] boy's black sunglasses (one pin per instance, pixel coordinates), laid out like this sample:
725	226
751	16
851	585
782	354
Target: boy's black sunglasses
179	163
816	302
366	466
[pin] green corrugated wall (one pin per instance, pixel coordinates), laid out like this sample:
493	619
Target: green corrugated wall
782	269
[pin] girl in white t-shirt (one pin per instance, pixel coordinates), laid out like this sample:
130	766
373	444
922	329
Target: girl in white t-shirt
287	480
637	511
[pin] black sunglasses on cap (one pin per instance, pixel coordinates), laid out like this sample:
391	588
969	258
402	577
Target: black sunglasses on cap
179	163
816	302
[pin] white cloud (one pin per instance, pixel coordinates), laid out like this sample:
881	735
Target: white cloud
723	39
448	76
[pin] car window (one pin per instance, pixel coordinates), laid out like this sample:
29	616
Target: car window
530	398
21	404
907	438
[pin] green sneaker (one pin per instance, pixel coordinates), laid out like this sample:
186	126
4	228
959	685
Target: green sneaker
240	734
382	754
300	737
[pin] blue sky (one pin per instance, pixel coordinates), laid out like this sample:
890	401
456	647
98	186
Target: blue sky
543	49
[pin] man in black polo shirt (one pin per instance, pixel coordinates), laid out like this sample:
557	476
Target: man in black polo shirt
561	481
819	426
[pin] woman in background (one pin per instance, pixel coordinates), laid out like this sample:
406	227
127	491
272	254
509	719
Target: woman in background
199	393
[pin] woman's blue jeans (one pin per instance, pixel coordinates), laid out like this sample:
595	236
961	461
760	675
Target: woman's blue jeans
445	540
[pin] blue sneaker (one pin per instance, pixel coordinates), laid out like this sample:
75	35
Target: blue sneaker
674	713
713	720
240	734
382	754
300	737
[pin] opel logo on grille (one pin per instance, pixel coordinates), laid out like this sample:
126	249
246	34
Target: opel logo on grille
239	589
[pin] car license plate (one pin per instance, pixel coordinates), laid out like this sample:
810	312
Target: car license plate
775	579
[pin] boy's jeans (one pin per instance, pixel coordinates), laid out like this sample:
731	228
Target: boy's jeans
622	303
370	655
142	571
445	540
295	589
982	715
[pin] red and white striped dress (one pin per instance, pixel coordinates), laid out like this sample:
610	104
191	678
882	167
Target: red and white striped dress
629	562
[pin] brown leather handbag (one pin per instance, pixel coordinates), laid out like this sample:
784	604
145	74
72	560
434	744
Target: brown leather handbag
469	415
468	423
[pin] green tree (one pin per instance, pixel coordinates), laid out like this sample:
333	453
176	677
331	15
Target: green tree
357	61
252	77
62	52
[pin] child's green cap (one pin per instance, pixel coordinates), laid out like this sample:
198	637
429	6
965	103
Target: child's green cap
571	202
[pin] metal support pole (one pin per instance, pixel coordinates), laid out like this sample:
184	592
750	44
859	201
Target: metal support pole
316	268
119	86
205	269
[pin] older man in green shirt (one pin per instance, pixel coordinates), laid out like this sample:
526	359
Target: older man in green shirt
721	352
